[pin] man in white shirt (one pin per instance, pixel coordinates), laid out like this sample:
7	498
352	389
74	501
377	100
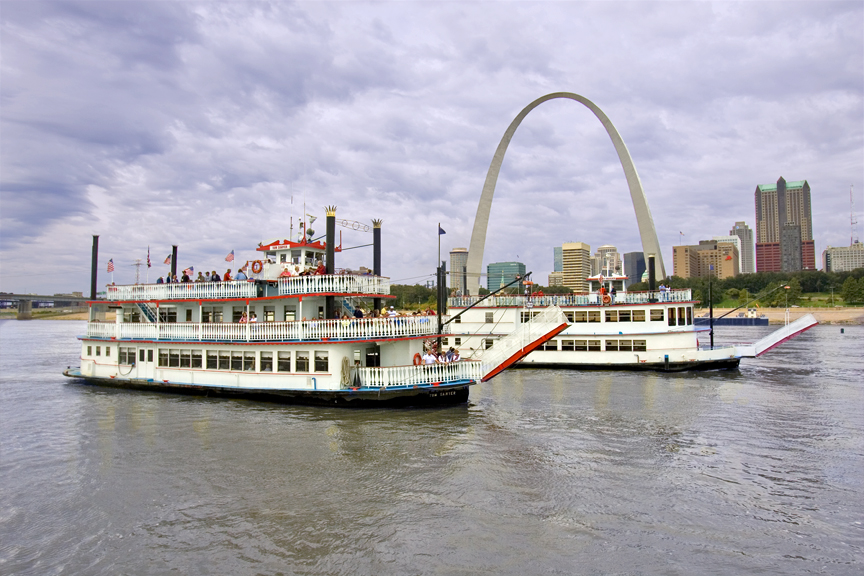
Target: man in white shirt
429	358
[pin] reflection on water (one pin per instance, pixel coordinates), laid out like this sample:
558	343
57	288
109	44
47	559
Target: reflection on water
556	471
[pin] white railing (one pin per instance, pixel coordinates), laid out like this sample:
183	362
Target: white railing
520	301
348	329
342	284
183	291
526	334
423	374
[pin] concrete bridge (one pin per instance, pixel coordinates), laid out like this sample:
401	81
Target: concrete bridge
25	302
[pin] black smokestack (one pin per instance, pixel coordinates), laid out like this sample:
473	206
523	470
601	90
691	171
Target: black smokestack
94	264
330	265
173	261
376	256
652	279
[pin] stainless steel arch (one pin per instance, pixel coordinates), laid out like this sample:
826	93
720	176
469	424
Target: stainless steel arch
647	232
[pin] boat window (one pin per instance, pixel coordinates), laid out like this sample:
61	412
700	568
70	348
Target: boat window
185	358
196	358
168	315
212	314
625	345
457	341
689	315
248	361
163	357
569	316
457	320
671	316
269	313
224	360
149	355
283	361
487	343
237	313
639	346
126	356
174	358
322	361
490	317
290	315
593	345
656	314
98	350
611	345
141	355
373	358
131	316
267	362
302	361
189	315
580	345
624	315
611	315
212	360
682	315
283	257
638	315
237	361
567	346
107	351
594	316
444	342
549	345
580	316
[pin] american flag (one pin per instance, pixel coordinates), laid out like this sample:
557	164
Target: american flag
168	259
111	265
230	257
148	257
190	270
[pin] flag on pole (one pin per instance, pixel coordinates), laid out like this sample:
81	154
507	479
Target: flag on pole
148	257
168	259
190	270
440	230
230	257
111	265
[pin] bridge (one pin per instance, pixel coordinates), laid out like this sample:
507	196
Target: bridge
25	302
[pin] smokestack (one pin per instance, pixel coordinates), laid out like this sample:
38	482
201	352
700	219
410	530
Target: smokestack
173	261
652	280
94	265
331	247
376	256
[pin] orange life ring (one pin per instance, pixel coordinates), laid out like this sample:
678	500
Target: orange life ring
418	360
606	299
257	266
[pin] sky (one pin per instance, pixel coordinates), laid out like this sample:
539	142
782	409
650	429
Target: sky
212	125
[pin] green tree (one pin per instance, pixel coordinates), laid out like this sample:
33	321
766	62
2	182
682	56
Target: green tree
852	290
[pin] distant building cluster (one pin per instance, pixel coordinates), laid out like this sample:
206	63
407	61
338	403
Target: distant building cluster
843	259
499	274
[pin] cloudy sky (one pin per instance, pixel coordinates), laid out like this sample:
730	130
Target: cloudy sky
160	123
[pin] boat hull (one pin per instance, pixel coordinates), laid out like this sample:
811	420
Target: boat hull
395	396
716	364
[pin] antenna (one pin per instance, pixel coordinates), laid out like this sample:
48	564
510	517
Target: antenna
853	222
137	266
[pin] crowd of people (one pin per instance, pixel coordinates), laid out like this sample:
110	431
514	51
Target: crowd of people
202	277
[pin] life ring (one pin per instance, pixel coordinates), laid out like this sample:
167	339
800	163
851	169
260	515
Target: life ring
418	360
257	266
606	299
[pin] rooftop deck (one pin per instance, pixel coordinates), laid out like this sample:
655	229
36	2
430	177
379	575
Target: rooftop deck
520	301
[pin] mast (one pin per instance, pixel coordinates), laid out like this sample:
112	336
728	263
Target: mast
853	223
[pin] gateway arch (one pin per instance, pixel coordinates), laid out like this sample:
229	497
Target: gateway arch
647	232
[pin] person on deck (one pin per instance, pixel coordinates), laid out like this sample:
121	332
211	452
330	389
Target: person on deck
160	280
200	278
227	276
240	275
214	277
321	270
186	277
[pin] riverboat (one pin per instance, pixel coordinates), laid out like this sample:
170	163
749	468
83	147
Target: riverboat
652	330
194	338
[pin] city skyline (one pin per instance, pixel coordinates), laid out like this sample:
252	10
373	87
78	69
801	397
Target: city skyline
213	126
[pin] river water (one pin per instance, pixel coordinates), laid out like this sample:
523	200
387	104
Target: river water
759	470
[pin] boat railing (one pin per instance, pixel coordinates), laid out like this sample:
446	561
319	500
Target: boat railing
343	284
183	291
345	329
417	375
521	301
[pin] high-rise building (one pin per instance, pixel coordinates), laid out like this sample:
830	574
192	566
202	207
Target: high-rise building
843	259
784	227
634	267
499	274
576	261
606	260
556	279
458	267
748	265
736	240
708	258
558	260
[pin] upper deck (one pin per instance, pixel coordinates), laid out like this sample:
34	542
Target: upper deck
242	289
568	300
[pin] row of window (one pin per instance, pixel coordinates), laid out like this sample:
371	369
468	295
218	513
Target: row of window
681	316
215	314
233	360
594	345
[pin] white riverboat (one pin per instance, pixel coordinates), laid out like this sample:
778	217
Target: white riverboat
192	338
652	330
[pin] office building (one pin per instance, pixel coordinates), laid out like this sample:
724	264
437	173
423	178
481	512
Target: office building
458	267
556	279
576	261
843	259
784	227
557	259
736	240
748	260
634	267
606	261
499	274
708	258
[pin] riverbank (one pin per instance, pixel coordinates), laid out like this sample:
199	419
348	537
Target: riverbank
823	315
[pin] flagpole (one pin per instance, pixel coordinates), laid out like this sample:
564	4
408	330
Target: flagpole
438	263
